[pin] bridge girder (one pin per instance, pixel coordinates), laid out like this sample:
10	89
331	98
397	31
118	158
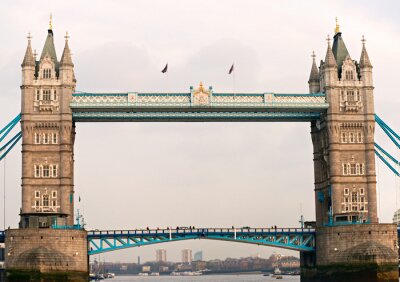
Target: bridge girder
293	239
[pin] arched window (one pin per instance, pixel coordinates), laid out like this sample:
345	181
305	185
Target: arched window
55	138
46	171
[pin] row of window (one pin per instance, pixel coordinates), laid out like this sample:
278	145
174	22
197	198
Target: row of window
350	95
352	137
53	194
46	138
46	95
45	202
354	207
353	169
45	171
346	191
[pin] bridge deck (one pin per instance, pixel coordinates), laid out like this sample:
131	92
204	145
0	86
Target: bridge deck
147	107
289	238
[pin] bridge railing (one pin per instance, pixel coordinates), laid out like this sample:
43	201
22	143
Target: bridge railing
200	231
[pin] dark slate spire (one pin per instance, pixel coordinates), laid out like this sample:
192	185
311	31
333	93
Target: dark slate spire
314	75
29	60
364	60
339	48
329	57
49	47
66	56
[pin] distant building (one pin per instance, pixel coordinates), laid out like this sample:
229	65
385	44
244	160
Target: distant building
198	256
161	255
187	256
396	217
199	265
146	268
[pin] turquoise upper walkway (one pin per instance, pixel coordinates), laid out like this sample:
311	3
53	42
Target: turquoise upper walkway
288	238
197	105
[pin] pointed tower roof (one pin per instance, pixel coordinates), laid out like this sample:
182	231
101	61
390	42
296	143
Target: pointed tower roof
364	59
49	47
314	75
66	56
339	48
330	60
29	60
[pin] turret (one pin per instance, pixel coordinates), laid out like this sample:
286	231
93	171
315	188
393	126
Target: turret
28	65
66	66
313	81
365	66
330	66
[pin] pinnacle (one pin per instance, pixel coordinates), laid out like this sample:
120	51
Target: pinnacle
329	58
364	60
29	60
314	75
66	56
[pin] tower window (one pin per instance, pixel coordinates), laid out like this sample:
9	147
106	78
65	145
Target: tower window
37	138
37	194
37	95
349	75
45	138
54	194
55	95
45	200
54	171
46	171
350	96
359	137
55	138
46	95
47	73
37	171
346	191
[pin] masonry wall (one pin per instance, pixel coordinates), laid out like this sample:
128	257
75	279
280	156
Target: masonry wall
46	250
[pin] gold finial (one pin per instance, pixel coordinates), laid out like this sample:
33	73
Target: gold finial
337	30
313	55
29	36
66	36
51	22
201	86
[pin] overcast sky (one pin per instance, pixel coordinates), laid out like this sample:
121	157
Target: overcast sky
203	174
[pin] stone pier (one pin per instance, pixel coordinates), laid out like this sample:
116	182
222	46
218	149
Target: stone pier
34	254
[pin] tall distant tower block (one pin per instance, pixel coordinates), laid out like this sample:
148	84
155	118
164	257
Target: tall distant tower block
47	168
351	244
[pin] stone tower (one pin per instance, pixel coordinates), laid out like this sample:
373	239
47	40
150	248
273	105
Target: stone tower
350	243
47	246
344	160
48	137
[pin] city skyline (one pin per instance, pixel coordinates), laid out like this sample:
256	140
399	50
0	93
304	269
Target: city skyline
193	160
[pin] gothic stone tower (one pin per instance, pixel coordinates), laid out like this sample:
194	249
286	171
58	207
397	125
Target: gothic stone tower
348	235
47	170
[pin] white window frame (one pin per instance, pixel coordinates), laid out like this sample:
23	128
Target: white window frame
346	191
37	194
46	139
36	170
53	169
46	168
362	191
37	138
54	194
54	138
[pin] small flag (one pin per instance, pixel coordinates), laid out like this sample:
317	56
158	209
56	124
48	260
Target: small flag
165	69
79	198
231	69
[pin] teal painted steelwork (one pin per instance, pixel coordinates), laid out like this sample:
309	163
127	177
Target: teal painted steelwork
9	127
74	227
288	238
194	116
13	141
134	106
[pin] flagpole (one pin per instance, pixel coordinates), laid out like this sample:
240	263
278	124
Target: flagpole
234	81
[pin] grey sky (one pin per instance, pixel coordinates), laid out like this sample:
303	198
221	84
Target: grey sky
258	174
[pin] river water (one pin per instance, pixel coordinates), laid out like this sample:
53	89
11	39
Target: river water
208	278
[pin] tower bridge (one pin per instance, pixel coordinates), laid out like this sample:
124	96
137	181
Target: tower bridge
348	242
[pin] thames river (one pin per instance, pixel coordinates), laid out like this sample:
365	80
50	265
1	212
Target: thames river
214	278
